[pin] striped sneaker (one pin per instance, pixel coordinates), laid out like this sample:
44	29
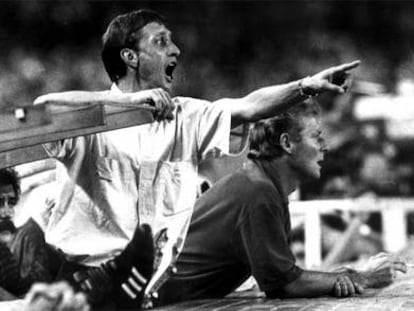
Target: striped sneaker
121	280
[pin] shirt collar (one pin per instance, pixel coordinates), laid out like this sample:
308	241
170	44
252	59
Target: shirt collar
271	171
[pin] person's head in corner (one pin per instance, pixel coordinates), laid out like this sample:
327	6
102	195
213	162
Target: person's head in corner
9	196
294	137
138	46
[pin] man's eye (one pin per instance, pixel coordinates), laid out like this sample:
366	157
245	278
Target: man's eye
162	41
10	201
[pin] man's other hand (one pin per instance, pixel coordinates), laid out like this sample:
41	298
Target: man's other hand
159	99
334	79
381	269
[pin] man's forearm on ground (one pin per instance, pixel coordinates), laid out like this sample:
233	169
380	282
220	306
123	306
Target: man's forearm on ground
310	284
314	284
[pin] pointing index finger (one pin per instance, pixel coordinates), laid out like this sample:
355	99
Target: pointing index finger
348	66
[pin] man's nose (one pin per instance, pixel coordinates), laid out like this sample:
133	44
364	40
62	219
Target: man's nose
3	212
324	146
174	50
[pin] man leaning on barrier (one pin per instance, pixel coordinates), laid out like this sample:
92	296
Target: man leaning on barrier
241	226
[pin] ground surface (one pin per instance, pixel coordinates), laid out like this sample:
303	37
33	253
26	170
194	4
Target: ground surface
399	296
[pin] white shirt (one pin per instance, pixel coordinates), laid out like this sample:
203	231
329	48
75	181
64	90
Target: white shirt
112	181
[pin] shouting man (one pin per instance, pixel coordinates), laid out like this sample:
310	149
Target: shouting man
241	226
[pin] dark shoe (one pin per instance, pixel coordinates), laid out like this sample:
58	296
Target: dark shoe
121	280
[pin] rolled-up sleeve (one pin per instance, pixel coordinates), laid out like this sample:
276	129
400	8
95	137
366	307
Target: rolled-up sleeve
266	243
213	135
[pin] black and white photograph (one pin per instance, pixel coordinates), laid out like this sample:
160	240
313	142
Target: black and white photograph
206	155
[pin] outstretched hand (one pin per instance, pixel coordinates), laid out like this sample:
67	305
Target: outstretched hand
381	269
334	79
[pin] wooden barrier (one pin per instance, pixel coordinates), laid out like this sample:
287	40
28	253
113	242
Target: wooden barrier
24	129
393	211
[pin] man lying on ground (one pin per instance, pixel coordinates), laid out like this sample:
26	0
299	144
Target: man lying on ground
241	226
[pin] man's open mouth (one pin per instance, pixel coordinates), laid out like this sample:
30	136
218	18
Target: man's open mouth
169	70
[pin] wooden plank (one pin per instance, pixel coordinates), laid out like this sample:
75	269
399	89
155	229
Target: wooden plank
65	122
20	142
22	155
59	127
20	118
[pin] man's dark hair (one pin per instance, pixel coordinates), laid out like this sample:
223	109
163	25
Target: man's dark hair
124	32
8	176
265	134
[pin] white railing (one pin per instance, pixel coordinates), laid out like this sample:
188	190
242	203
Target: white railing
393	212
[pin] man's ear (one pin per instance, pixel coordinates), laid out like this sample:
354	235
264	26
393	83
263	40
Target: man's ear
286	143
130	58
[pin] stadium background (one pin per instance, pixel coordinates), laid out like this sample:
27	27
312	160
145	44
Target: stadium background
228	49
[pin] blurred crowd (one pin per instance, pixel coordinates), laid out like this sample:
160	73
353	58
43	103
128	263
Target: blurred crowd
53	46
